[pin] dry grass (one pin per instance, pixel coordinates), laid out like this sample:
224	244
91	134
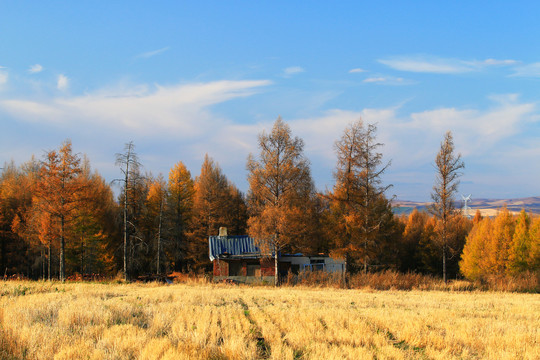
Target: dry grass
392	280
41	320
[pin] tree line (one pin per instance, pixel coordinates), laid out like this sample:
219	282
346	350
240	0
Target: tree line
60	219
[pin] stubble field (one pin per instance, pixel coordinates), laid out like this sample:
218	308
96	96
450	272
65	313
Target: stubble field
42	320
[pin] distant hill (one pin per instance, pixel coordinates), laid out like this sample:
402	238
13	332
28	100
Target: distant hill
488	207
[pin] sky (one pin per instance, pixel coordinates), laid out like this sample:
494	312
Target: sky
182	79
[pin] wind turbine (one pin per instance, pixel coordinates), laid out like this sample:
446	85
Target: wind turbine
465	209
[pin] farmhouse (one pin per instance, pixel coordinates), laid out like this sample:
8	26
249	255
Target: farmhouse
238	258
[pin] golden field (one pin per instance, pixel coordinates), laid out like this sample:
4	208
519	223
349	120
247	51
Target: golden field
42	320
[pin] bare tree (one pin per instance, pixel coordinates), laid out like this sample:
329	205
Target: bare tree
129	165
448	167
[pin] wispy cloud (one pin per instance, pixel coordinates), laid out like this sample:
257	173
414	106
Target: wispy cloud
182	109
387	80
62	82
478	130
478	134
149	54
356	70
34	69
528	70
431	64
496	62
3	77
293	70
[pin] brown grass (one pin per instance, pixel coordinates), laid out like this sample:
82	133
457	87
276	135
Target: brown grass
392	280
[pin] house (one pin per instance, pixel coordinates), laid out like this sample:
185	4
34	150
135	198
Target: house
238	258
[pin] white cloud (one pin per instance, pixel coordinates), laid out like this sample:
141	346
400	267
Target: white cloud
34	69
180	110
495	62
387	80
357	70
293	70
3	77
529	70
149	54
62	82
431	64
476	132
374	79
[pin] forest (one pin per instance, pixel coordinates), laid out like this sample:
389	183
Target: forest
60	219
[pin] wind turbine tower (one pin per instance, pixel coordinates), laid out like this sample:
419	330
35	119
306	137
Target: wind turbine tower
465	209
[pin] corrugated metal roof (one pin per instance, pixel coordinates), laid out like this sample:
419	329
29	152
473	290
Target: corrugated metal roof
231	245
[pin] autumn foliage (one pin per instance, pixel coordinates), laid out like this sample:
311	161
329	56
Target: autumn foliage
505	246
61	219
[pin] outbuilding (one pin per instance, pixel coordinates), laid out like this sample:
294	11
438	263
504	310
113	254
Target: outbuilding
237	258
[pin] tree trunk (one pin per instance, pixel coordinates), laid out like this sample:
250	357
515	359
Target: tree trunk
49	260
126	179
82	256
125	237
159	236
276	275
444	263
42	264
62	249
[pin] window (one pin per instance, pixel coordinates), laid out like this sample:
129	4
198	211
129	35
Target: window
253	270
235	268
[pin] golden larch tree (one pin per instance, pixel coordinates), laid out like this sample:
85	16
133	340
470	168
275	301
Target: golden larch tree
448	167
57	192
280	185
179	209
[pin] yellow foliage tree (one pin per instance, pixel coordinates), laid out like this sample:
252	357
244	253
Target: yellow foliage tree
476	258
520	246
534	254
280	186
180	198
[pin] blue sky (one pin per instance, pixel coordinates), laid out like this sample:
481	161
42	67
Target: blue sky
182	79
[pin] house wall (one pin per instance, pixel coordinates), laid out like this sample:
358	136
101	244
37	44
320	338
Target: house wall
221	268
268	267
330	264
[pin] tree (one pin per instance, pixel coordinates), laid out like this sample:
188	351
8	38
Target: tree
448	170
521	245
18	243
358	199
93	227
476	256
129	165
487	248
534	254
279	185
155	199
504	227
181	190
215	203
58	190
412	235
